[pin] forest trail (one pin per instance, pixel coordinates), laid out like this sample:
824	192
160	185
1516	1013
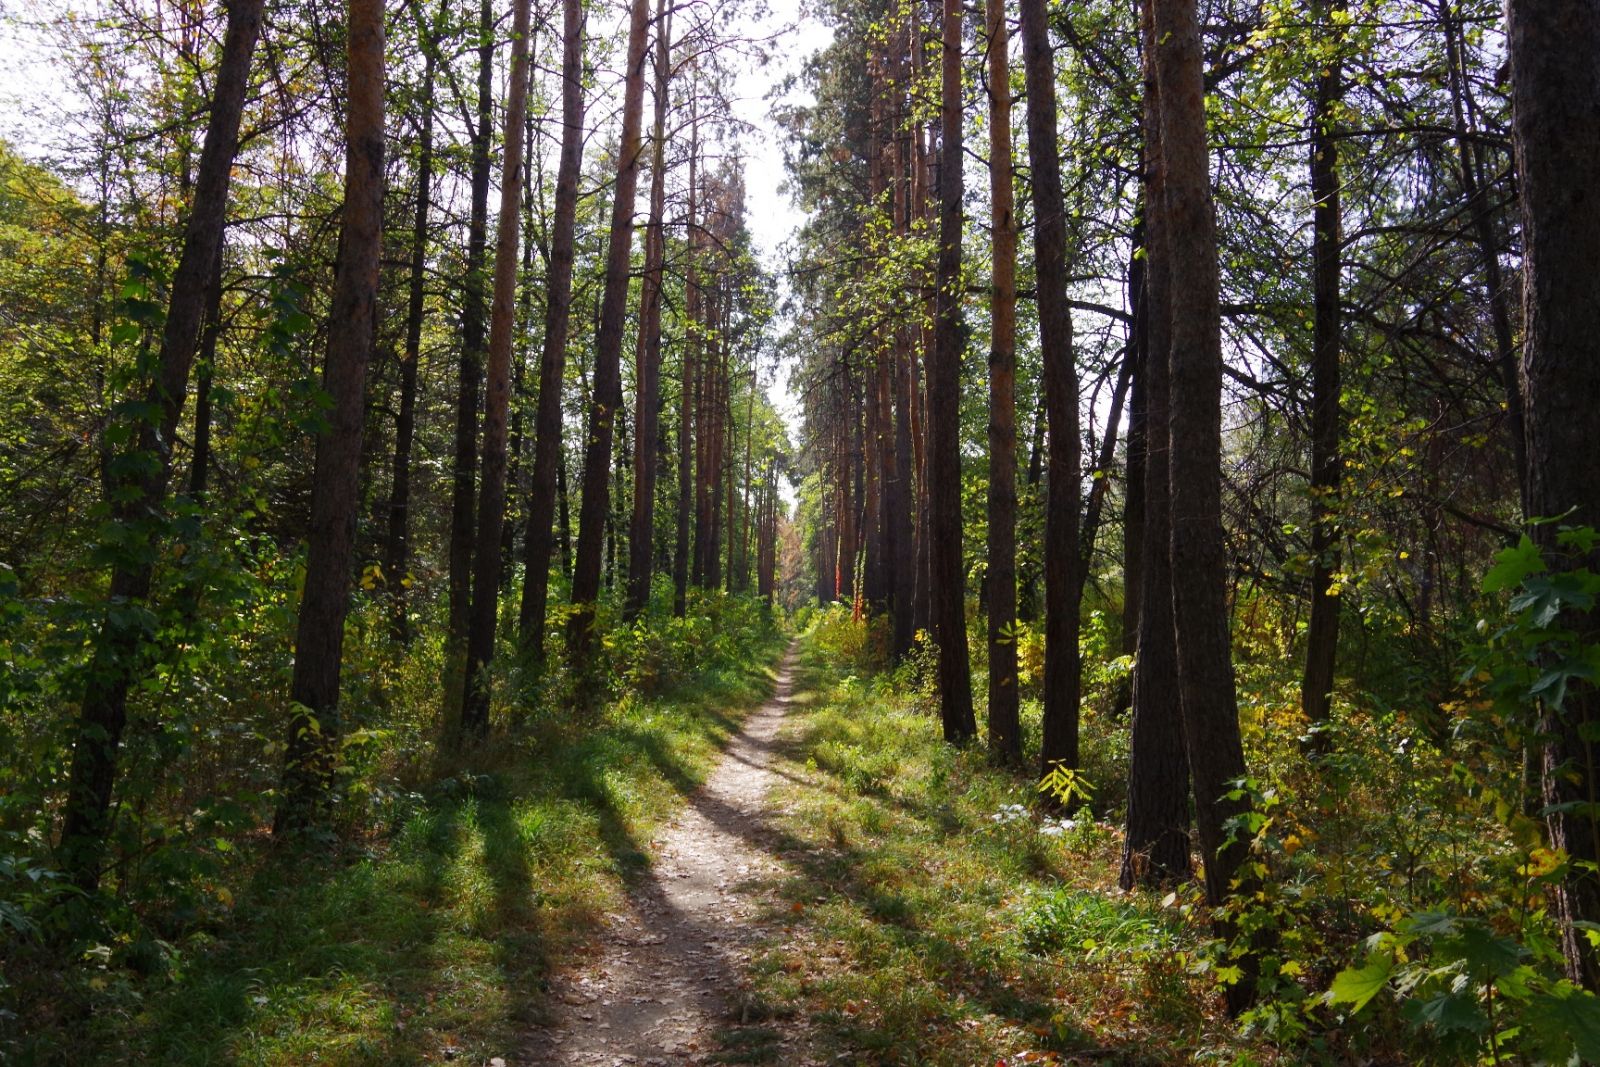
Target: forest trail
668	985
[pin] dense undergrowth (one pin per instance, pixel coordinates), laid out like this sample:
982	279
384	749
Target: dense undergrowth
420	928
948	914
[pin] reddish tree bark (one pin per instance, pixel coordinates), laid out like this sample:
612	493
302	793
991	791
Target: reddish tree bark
1005	728
594	502
1061	671
497	397
1156	848
947	587
548	473
641	530
309	763
688	385
463	491
1322	633
1194	419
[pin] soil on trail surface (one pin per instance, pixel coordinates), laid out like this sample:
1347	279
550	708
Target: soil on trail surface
668	986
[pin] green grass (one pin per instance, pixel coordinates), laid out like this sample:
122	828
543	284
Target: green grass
930	921
428	941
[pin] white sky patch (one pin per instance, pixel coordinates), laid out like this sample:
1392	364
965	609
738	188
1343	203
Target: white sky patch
31	77
772	216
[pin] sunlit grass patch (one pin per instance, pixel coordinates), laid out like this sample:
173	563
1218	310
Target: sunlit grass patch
940	914
1083	921
431	940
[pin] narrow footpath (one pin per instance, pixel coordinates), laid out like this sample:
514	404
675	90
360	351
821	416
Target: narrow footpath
668	986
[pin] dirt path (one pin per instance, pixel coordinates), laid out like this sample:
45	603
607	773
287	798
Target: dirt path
668	986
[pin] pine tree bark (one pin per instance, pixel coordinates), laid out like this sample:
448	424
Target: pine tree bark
1155	850
1322	633
309	765
139	485
717	437
921	199
594	503
497	397
1133	521
705	432
844	472
517	484
902	490
1194	419
205	373
1061	670
463	493
947	586
548	472
742	583
682	545
1005	728
647	404
874	575
1555	93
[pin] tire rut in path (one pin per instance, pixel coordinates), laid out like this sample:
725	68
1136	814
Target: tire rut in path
669	976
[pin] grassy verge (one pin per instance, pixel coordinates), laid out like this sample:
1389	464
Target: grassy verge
938	917
429	939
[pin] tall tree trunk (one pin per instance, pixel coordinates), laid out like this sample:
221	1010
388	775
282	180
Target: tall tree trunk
1005	729
549	478
497	397
641	530
1133	513
716	439
873	574
564	516
205	372
397	551
730	463
463	490
845	569
620	461
902	498
517	486
1322	635
682	545
1194	458
1156	848
704	430
921	199
309	764
139	487
877	572
901	494
594	504
1061	696
1555	96
947	576
743	582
